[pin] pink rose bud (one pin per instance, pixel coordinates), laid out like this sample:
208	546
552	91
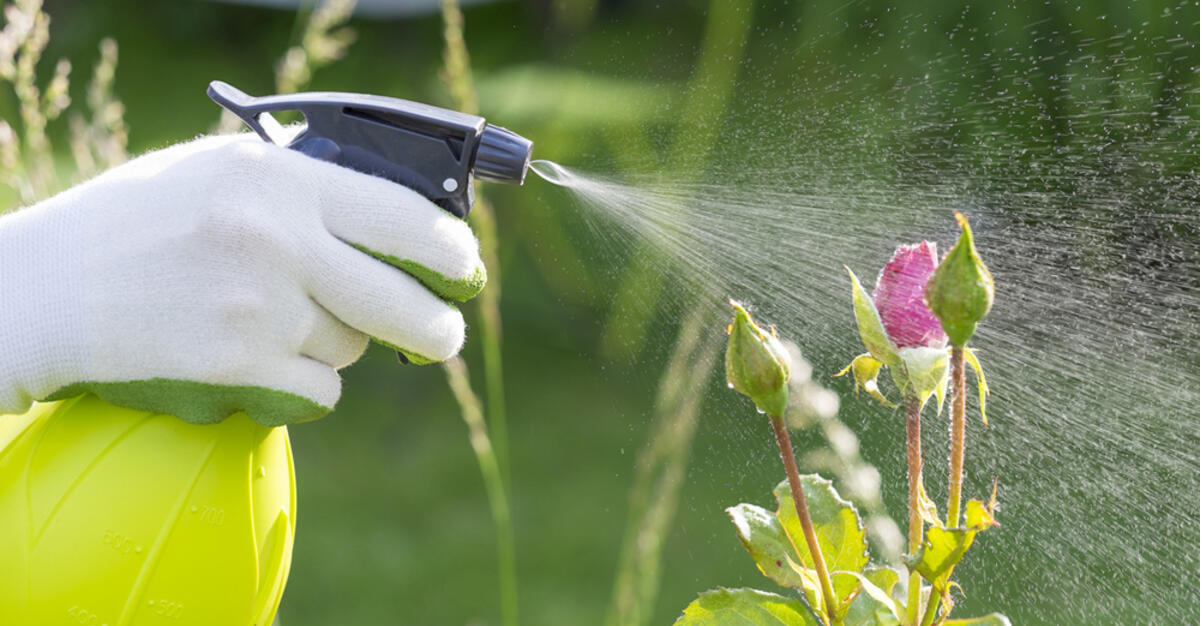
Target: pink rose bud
899	298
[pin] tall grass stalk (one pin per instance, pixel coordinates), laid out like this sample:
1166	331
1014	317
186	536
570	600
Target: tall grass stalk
324	40
100	141
457	74
97	142
490	470
26	154
660	470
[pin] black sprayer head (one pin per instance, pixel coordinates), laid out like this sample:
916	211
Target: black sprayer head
503	155
434	151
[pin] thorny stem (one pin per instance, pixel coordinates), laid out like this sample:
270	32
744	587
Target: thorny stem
932	609
956	463
956	460
803	514
914	472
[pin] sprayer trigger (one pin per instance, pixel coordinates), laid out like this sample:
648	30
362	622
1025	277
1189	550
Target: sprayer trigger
272	130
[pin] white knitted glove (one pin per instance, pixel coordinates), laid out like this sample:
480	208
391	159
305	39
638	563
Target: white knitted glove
225	274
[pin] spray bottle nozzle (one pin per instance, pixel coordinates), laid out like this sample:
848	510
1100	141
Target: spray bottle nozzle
503	155
434	151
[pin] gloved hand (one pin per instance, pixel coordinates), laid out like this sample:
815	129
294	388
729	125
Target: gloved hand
221	275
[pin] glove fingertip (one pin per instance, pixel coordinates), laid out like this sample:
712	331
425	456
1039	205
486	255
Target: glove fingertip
410	357
452	289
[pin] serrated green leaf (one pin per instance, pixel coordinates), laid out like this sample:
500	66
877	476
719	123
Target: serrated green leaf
836	523
970	355
940	553
840	536
927	508
745	607
945	547
993	619
765	539
777	543
811	587
845	588
869	605
868	320
865	369
885	578
978	515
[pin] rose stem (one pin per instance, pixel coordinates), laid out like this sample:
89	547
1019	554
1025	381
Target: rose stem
956	458
932	610
914	472
803	514
956	464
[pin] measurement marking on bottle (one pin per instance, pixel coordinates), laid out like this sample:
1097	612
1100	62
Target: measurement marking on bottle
166	608
84	616
211	515
121	543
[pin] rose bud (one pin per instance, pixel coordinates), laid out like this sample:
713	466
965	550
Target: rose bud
757	364
899	298
961	291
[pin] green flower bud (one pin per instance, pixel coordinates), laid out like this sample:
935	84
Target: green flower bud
757	364
960	293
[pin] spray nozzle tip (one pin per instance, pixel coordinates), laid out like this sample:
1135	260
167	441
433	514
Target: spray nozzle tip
503	155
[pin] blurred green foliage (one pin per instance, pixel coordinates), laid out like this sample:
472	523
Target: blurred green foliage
393	524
